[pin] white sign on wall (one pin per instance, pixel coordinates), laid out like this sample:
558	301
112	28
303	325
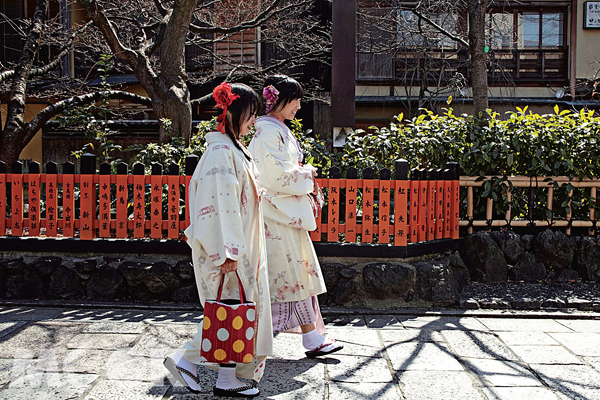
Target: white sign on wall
591	15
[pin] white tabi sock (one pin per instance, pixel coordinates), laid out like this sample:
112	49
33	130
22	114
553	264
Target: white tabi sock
228	380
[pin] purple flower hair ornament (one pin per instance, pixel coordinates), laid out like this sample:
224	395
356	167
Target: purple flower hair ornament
271	95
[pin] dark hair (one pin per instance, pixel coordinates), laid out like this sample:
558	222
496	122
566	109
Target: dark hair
241	108
289	89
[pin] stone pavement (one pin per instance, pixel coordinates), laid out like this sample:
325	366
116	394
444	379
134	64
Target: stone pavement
61	353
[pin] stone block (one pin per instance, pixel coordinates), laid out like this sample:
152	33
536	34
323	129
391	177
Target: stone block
580	343
422	357
387	280
484	258
106	283
110	390
474	344
364	390
545	355
428	385
573	382
554	249
501	373
510	243
357	369
42	386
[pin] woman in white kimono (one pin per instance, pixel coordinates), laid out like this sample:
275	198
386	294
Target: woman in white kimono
295	277
227	234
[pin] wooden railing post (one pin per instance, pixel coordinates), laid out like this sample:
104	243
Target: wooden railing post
367	205
173	202
351	209
414	205
104	201
384	205
34	191
87	199
401	203
139	201
454	169
156	196
447	203
439	204
68	200
3	198
333	209
121	200
51	199
16	194
431	188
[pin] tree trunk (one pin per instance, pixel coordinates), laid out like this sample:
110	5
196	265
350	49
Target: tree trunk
477	10
12	136
174	105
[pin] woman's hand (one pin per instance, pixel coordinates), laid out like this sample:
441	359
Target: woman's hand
315	185
228	266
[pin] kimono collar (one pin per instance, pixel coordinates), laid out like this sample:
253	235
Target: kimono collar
218	137
265	119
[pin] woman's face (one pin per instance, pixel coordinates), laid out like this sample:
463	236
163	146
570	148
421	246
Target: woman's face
247	124
290	109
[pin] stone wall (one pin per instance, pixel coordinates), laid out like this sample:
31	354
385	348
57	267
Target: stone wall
351	282
549	256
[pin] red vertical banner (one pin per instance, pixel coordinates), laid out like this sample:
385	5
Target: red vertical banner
51	205
455	185
401	213
104	206
431	187
422	234
17	205
156	207
447	208
2	204
350	217
121	206
87	206
439	206
367	216
139	204
68	205
173	214
34	204
414	207
333	220
384	211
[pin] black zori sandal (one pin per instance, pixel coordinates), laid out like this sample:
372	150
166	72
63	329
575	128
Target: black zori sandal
177	372
234	392
320	351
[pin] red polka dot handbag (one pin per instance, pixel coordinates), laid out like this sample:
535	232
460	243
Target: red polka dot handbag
229	328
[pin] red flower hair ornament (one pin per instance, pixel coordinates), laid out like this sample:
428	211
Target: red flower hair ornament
224	97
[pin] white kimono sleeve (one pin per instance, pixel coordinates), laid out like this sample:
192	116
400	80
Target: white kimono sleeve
287	183
215	220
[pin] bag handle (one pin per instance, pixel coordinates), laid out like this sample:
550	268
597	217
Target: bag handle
241	288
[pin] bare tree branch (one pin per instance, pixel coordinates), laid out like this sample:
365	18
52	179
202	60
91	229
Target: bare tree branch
441	30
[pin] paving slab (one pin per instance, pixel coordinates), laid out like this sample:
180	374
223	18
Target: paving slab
362	343
593	361
581	325
175	317
347	321
501	373
383	322
103	315
7	328
29	313
527	338
442	323
102	341
111	390
476	344
582	344
422	356
291	381
428	385
365	390
409	335
358	369
123	366
115	327
44	386
34	338
524	325
520	393
83	361
288	346
161	340
574	382
545	355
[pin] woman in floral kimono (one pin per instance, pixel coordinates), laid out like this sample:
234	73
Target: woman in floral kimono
295	277
227	234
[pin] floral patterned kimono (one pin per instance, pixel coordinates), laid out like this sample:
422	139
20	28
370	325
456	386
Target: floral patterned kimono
294	271
226	222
